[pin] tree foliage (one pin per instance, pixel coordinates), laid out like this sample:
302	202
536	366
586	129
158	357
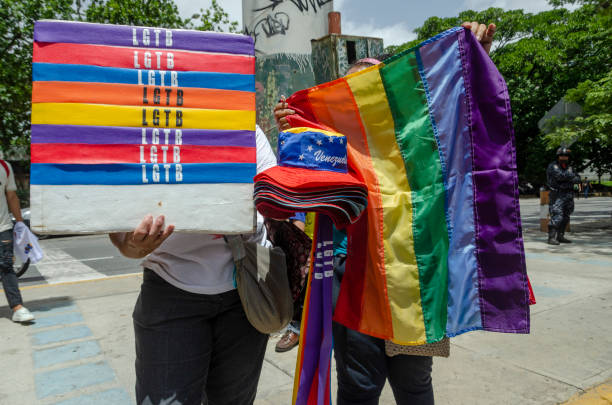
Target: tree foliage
18	17
156	13
541	56
16	31
591	131
214	18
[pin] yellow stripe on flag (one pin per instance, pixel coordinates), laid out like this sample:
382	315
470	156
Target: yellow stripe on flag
301	130
128	116
402	272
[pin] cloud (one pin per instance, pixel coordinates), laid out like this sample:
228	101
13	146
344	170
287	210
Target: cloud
339	4
391	34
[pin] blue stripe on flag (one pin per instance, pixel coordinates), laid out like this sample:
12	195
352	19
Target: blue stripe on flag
133	174
97	74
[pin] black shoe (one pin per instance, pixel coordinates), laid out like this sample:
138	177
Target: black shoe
561	238
552	236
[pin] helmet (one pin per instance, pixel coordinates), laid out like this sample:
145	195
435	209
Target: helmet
563	151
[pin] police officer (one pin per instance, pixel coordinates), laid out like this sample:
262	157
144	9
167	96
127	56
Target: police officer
561	179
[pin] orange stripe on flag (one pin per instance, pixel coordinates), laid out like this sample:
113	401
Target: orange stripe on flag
347	121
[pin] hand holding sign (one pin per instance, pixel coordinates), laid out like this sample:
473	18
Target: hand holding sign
148	236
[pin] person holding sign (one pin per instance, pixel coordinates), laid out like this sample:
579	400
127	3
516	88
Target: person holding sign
194	343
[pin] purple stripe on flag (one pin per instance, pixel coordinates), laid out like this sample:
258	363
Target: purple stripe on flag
444	75
134	136
499	243
318	334
325	234
144	37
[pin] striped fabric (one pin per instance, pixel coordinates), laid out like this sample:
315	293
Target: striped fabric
312	382
430	131
141	107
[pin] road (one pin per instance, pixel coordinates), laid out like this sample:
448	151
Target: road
92	257
80	350
78	258
589	210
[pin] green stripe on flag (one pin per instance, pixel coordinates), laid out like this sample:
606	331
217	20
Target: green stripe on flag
414	134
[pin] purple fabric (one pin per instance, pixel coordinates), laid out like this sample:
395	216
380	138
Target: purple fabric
133	136
122	35
316	354
447	103
504	293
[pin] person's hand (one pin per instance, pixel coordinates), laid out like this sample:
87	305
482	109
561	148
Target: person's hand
147	237
281	110
150	233
483	33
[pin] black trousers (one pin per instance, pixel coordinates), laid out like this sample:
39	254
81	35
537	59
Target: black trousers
9	278
561	206
363	366
194	348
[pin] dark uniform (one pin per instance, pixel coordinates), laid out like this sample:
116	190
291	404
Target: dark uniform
561	199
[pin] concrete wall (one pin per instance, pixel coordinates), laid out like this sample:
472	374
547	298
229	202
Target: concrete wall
331	56
282	30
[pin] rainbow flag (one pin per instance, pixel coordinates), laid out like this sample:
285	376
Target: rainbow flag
430	131
141	120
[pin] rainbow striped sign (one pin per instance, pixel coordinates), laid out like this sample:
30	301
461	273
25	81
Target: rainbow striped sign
133	120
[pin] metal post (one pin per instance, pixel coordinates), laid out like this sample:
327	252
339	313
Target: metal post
544	210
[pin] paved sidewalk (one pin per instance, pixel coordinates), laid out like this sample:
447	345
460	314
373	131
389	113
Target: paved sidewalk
81	348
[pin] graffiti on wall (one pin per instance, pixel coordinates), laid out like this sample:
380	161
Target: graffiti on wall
302	5
270	25
282	30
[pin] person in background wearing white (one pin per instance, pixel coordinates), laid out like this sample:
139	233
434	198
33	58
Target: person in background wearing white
9	278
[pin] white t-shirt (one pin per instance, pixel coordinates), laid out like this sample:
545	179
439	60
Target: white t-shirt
7	183
202	263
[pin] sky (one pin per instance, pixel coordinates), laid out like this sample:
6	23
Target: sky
392	20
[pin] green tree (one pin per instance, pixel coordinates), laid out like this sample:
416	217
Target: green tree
16	30
151	13
18	17
158	13
541	56
214	18
591	131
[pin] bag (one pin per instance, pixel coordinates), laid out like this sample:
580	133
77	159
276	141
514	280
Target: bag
296	244
263	286
6	168
25	244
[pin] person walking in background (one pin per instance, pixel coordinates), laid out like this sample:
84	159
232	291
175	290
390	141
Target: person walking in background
586	187
561	179
10	202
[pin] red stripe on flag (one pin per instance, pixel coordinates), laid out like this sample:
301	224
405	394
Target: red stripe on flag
134	58
104	154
